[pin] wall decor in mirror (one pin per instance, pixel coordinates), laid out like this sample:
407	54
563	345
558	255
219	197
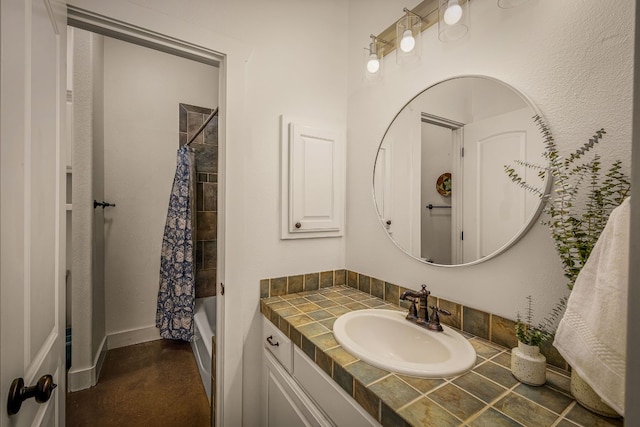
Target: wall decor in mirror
440	188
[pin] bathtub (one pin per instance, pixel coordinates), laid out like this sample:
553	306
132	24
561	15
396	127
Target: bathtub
204	329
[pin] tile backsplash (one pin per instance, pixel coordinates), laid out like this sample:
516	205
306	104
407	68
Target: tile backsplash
485	325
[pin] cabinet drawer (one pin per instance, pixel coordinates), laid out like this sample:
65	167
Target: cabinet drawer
278	344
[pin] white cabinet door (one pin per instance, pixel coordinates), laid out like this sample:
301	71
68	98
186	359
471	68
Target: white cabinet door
313	182
32	218
284	402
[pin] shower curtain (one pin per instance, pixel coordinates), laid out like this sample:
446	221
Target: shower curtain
176	296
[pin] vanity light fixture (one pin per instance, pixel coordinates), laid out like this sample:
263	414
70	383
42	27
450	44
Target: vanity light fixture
408	38
374	58
453	19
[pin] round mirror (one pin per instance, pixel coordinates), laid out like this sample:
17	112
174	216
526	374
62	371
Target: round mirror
440	187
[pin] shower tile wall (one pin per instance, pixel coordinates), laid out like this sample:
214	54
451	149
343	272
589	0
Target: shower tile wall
206	147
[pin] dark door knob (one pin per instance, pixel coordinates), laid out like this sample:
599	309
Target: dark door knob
298	225
18	393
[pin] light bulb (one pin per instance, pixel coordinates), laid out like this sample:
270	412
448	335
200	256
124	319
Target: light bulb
373	65
408	42
453	13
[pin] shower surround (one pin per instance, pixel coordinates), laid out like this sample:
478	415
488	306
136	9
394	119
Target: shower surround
206	147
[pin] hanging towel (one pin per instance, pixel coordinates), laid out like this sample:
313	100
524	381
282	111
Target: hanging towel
592	334
176	296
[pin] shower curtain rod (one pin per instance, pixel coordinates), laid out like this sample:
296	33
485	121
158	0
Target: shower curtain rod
201	128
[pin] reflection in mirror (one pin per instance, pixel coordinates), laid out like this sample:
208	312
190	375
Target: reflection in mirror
439	182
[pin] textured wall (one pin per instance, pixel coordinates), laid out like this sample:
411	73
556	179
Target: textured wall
573	59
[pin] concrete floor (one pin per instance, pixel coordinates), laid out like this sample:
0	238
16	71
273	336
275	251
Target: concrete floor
149	384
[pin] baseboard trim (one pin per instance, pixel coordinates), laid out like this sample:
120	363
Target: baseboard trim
81	379
132	336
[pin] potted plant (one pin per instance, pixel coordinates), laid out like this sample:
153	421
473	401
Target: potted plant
528	365
576	214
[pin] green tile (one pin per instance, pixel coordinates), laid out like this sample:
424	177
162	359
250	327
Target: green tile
289	311
425	412
361	296
565	423
493	418
584	417
496	373
275	318
308	307
338	310
391	293
295	284
353	306
311	281
559	381
328	323
373	302
525	411
264	288
352	279
343	378
316	298
284	327
457	401
455	309
309	348
365	373
391	419
503	331
296	336
423	385
324	341
343	299
326	303
279	305
340	278
503	359
278	286
320	315
479	386
545	396
364	283
484	349
299	320
377	288
341	356
324	362
394	392
298	301
312	329
326	279
475	322
367	399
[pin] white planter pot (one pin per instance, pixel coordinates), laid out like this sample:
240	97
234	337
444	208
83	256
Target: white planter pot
588	398
528	365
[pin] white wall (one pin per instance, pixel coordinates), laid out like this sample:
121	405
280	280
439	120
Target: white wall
281	57
573	59
87	244
143	90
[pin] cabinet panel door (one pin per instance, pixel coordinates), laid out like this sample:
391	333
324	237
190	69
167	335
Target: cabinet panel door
281	410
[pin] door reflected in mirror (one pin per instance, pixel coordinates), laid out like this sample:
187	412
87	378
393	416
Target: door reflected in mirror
440	188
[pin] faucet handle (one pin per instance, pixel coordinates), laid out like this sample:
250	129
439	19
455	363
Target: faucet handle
434	319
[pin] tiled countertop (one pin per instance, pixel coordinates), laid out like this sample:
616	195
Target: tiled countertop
486	396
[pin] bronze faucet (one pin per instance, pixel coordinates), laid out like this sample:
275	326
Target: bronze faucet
420	315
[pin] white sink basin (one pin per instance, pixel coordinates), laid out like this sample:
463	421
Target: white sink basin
384	338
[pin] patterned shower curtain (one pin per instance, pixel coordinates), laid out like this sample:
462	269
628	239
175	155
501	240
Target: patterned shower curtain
176	296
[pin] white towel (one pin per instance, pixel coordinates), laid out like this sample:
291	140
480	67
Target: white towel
592	334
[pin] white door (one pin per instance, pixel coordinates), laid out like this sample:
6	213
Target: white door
33	95
495	209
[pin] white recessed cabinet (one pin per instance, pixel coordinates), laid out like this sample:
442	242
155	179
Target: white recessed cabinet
313	180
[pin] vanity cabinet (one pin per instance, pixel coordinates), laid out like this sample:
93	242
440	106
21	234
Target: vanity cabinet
296	392
284	403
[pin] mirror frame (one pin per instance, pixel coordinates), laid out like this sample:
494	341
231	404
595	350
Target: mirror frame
531	221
